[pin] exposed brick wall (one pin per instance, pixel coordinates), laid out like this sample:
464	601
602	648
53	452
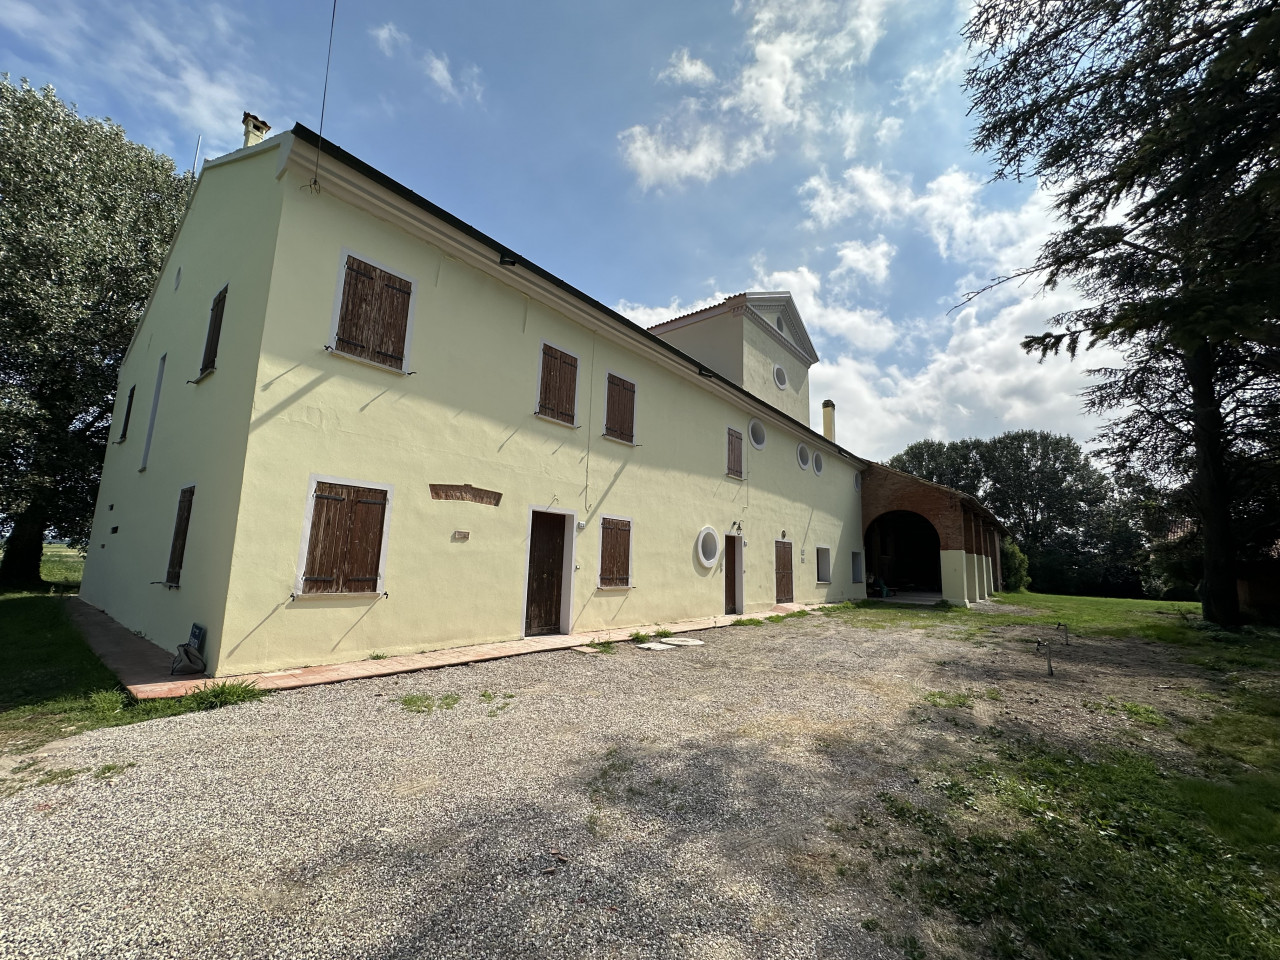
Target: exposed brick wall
886	490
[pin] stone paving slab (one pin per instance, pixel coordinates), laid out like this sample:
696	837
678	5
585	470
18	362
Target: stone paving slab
143	667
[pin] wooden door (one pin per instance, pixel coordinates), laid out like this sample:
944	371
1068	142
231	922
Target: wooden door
782	571
732	602
546	574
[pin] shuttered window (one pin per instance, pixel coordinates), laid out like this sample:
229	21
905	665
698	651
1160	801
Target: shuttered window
735	454
615	552
620	410
558	391
345	545
178	548
373	322
215	332
128	412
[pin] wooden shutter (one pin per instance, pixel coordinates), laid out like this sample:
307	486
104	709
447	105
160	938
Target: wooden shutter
179	545
215	331
367	508
615	552
558	391
620	409
128	412
735	454
373	321
327	543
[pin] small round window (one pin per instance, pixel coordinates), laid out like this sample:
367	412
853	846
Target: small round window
779	377
755	430
708	546
817	464
802	456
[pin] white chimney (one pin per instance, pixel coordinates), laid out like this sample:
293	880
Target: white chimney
254	129
829	420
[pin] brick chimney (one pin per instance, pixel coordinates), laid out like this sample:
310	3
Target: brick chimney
254	129
829	420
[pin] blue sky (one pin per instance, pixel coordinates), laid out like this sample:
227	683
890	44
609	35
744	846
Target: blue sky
656	161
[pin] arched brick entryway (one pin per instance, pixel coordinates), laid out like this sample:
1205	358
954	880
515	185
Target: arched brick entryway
902	550
967	545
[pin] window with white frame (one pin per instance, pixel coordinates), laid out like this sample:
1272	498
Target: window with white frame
823	558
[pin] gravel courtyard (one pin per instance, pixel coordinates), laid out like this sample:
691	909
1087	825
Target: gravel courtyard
672	804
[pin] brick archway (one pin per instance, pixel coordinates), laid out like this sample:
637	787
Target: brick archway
902	550
968	535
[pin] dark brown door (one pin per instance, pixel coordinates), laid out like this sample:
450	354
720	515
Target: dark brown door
782	568
546	574
731	599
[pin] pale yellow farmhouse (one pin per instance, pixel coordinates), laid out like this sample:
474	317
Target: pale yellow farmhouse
350	422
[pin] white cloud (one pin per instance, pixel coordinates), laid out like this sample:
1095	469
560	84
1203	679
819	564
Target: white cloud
867	260
686	69
660	157
390	38
889	130
794	47
865	331
465	86
925	81
191	66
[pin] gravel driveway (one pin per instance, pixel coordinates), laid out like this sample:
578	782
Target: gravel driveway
671	804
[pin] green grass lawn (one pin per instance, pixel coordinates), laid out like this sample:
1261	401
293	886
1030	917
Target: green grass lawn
1050	852
52	685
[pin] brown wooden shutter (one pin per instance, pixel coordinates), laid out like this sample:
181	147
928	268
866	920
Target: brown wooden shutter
735	454
620	409
178	548
615	552
327	543
373	322
558	391
367	508
215	331
128	412
782	571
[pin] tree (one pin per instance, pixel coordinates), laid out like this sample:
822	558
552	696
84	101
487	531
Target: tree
86	218
957	464
1156	126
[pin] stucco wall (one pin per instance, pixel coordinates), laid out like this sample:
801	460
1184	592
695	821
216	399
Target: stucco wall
760	352
228	239
716	341
467	416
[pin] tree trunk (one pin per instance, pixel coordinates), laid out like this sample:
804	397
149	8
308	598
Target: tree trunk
20	565
1219	599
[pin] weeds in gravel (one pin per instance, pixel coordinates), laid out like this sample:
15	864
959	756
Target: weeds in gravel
222	693
109	770
941	698
641	637
603	646
793	615
418	703
747	622
662	634
58	776
993	693
378	656
1145	714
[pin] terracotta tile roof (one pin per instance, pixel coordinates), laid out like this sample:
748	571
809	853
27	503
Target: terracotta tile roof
692	313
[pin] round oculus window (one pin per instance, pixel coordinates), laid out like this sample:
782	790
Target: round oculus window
779	377
817	464
802	456
779	323
708	547
755	430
